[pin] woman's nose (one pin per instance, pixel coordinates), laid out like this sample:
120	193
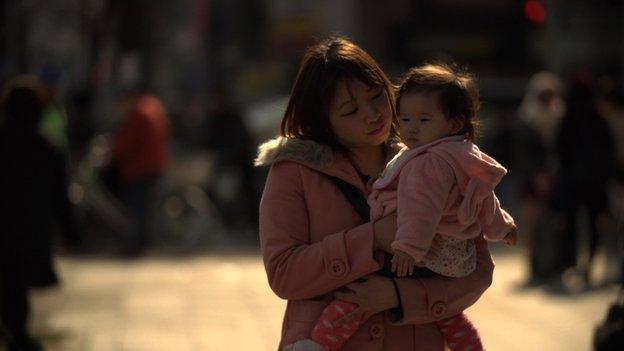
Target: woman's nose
372	113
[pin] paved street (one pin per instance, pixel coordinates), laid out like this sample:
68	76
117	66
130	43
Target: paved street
224	303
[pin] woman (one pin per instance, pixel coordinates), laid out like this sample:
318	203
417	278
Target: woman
340	123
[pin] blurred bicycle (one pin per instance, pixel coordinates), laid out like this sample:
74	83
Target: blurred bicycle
181	217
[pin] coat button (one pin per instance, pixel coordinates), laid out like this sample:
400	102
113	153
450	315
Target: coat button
438	309
376	331
337	267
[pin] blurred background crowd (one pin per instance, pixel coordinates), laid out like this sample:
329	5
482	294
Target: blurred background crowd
130	126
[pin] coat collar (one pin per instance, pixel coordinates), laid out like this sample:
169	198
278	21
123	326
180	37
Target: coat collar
312	155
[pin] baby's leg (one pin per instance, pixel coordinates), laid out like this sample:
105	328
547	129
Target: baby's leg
331	337
460	334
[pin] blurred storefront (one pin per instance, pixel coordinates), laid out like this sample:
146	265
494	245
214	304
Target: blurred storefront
183	49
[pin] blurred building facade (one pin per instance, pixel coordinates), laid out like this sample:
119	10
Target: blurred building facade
182	49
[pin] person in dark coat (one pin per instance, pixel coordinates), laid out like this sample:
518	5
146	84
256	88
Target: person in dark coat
534	165
34	204
586	153
227	135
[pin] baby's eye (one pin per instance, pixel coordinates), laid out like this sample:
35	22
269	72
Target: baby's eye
378	95
424	119
405	120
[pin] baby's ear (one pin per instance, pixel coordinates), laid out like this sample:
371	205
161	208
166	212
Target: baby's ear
457	124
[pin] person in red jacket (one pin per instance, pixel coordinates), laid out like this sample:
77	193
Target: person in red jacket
140	154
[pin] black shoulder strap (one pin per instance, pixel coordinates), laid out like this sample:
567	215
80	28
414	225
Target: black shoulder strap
360	205
354	196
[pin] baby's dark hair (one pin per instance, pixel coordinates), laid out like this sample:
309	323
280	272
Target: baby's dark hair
456	89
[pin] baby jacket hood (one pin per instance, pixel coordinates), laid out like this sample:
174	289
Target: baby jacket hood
477	173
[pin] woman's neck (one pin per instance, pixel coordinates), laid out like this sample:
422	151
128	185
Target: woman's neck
369	161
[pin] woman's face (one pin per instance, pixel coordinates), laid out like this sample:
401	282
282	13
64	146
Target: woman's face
360	116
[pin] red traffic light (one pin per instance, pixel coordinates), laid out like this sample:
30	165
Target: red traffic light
535	11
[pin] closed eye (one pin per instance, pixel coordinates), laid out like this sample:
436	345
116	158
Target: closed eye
349	113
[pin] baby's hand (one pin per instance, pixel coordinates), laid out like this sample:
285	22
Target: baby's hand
402	263
512	237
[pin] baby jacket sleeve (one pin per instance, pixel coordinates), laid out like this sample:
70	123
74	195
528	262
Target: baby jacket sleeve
497	223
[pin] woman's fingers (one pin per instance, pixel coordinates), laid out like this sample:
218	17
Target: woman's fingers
375	294
348	317
357	285
346	296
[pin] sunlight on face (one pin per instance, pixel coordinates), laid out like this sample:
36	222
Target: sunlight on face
421	121
360	116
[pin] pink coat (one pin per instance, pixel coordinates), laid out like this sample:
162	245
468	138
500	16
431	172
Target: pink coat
313	242
444	188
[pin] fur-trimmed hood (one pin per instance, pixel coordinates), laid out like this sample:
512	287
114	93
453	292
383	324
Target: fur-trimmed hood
312	155
304	151
292	149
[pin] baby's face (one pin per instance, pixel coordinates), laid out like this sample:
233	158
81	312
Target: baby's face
421	121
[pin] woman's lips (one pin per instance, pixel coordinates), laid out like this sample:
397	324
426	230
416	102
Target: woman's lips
376	131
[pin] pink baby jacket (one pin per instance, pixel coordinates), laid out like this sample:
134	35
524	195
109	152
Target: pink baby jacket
443	193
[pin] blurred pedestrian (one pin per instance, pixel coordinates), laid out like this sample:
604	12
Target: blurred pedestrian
543	107
534	163
34	203
140	155
586	153
232	183
611	108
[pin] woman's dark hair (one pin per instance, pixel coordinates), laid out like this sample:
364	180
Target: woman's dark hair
324	66
457	92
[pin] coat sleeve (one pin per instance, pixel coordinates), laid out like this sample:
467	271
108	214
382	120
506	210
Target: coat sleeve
423	190
498	223
296	267
427	300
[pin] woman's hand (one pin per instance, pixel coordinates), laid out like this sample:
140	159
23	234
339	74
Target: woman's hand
372	294
384	230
